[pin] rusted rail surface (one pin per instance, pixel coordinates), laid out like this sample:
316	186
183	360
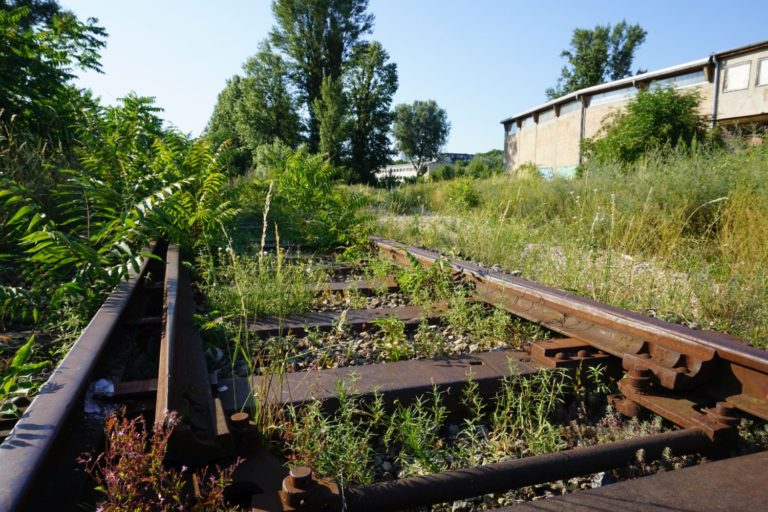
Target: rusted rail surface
503	476
678	358
26	450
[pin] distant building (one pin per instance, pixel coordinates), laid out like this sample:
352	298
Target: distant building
733	85
400	172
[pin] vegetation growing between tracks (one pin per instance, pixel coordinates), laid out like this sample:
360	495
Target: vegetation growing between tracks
680	235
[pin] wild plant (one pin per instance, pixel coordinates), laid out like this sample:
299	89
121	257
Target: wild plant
394	344
334	446
427	342
132	475
426	285
522	418
414	431
12	382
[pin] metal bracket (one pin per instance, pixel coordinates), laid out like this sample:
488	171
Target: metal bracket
566	353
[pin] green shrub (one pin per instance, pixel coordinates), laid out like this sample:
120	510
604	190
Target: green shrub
655	119
311	209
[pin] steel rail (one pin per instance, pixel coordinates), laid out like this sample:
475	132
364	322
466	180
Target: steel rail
680	357
166	362
24	452
449	486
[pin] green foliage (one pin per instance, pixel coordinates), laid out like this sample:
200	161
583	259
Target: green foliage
426	285
317	37
485	165
372	82
602	54
655	119
136	183
414	432
395	343
420	129
308	207
335	446
331	112
524	409
680	233
239	285
41	44
257	108
462	195
20	366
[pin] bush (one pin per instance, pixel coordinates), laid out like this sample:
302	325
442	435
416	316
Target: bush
656	119
311	209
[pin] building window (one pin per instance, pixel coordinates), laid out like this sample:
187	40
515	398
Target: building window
737	77
611	96
571	106
547	115
688	79
762	72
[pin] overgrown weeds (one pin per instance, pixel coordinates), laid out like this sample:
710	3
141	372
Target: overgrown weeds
678	236
132	473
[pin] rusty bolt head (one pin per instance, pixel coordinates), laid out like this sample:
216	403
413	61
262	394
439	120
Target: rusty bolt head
301	477
582	353
239	419
560	356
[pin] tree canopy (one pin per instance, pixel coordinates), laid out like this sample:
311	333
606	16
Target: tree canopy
421	130
598	55
372	82
317	37
258	107
40	46
314	65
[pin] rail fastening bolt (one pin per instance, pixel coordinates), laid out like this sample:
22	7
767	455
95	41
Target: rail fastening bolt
301	477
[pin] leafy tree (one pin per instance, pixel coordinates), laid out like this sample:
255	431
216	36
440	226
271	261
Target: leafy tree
485	165
654	119
259	107
40	45
330	110
421	130
372	81
597	55
317	37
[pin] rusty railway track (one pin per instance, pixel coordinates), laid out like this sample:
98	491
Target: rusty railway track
702	381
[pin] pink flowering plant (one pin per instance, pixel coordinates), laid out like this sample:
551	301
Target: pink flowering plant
132	475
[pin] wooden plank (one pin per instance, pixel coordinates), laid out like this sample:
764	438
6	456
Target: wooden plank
326	320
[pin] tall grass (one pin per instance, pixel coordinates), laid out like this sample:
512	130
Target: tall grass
681	236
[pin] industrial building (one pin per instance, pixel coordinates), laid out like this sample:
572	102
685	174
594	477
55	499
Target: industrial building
733	86
406	170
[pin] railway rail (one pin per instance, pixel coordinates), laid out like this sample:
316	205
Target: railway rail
704	382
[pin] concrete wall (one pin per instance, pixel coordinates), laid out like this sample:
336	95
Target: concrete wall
750	103
568	129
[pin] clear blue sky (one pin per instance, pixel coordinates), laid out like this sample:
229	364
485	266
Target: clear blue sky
481	61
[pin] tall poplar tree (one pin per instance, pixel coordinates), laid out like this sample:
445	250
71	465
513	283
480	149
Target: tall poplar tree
317	37
372	82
